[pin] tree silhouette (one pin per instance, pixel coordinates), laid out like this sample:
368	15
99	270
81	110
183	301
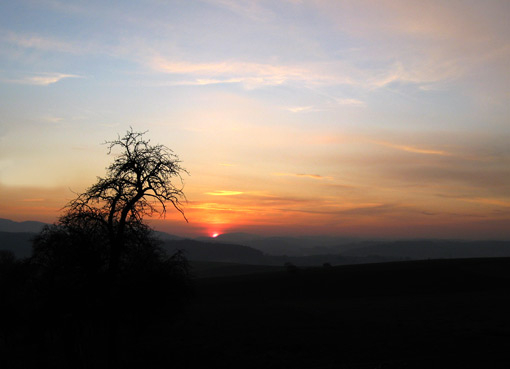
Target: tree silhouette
101	257
138	183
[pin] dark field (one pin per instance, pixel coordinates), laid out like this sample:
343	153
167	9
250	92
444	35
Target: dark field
421	314
397	315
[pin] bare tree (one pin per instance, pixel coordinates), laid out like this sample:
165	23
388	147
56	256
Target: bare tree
103	255
139	182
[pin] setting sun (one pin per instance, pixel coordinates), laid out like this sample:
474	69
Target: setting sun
214	235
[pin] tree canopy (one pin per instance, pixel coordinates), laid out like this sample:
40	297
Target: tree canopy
143	180
140	182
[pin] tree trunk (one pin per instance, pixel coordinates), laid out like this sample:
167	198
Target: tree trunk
112	304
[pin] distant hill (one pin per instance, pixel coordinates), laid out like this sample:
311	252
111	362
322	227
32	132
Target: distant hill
235	237
245	248
20	243
7	225
433	249
163	236
289	245
310	250
220	252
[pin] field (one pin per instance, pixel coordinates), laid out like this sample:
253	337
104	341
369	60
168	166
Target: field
415	314
424	314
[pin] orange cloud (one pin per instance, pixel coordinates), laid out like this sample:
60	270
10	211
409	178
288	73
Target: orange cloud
313	176
412	149
224	193
490	201
479	200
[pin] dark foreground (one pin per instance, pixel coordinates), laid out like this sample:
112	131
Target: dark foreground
429	314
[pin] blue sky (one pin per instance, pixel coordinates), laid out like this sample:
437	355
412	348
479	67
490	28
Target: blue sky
341	117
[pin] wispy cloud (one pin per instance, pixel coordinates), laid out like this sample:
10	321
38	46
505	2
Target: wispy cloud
428	72
249	73
41	42
490	201
302	175
331	73
301	109
370	209
224	193
327	106
52	119
213	206
247	8
413	149
484	179
210	81
43	79
352	102
33	200
479	200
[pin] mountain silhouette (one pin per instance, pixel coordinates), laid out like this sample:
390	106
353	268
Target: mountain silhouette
7	225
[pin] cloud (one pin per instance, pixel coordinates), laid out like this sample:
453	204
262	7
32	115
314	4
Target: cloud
490	201
247	8
371	209
412	149
209	81
333	101
52	119
319	73
265	205
301	109
224	193
44	43
313	176
254	75
486	179
424	43
43	79
478	200
249	73
211	206
352	102
430	43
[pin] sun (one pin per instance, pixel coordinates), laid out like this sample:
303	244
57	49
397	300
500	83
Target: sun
214	235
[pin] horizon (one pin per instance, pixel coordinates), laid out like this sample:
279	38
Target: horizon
371	119
218	236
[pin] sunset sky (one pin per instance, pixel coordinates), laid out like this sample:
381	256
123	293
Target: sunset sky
293	117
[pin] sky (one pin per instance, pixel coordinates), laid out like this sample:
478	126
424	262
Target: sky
293	117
